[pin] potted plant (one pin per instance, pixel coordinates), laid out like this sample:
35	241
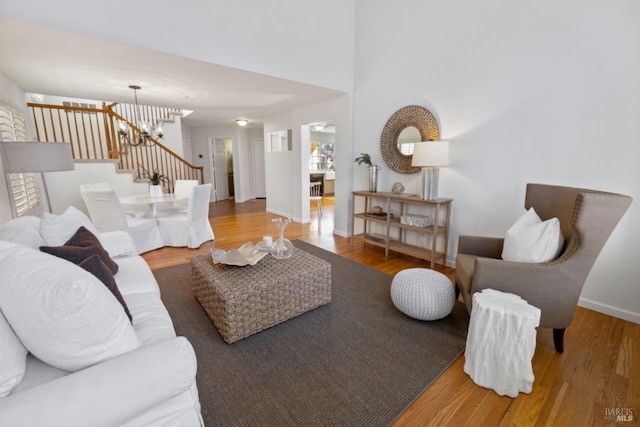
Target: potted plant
373	170
156	179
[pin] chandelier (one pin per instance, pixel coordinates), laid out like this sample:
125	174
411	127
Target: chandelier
147	132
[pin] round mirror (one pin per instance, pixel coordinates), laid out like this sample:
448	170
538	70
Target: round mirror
402	125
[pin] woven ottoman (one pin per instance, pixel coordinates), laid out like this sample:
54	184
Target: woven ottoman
422	293
244	300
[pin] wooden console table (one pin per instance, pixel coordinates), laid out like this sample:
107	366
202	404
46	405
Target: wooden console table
395	233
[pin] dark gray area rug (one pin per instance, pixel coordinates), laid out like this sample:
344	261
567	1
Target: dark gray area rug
357	361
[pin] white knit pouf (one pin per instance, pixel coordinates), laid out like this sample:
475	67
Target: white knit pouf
422	293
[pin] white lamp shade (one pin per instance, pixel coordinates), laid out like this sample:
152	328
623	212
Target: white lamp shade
28	156
430	153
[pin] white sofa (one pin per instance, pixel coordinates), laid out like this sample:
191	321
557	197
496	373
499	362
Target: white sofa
152	383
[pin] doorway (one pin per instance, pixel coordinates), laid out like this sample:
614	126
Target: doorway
221	150
321	167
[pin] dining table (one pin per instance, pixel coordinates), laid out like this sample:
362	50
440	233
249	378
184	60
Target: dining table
151	201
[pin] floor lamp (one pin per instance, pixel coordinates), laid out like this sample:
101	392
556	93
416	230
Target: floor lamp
430	155
33	156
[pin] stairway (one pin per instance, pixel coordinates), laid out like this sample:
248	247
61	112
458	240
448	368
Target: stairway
94	137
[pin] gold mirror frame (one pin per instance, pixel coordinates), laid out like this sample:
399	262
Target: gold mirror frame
412	115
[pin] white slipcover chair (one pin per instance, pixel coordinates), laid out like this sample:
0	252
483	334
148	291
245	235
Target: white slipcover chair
182	192
105	186
108	215
191	228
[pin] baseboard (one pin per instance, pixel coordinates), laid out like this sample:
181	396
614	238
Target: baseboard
246	199
610	310
341	233
276	212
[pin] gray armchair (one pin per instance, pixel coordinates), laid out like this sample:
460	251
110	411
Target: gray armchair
587	218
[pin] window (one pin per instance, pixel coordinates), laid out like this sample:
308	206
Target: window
321	157
23	187
406	148
80	105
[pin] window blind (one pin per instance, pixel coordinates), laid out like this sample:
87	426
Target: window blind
23	187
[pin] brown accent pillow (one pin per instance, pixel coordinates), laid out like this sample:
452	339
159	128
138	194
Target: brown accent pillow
98	268
82	245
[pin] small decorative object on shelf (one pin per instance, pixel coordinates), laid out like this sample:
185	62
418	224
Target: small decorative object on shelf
281	248
373	170
397	188
417	220
377	212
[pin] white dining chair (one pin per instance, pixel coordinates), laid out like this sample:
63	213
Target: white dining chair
182	192
191	228
105	186
107	215
315	193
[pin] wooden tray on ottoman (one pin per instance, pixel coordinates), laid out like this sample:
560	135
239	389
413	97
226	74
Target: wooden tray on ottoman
244	300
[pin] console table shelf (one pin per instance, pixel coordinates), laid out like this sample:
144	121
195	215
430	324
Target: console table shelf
394	236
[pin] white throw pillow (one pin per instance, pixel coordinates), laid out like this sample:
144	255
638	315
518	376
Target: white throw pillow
13	358
24	230
118	243
62	314
57	229
531	240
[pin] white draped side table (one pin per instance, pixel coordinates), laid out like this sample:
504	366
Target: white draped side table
501	342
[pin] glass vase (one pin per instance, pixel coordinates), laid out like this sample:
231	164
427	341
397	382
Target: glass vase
281	248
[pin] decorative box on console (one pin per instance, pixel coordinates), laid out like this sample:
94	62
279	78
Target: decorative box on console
417	220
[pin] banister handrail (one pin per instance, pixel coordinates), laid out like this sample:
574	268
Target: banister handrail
156	142
93	134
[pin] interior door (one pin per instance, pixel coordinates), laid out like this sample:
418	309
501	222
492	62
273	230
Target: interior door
259	187
220	171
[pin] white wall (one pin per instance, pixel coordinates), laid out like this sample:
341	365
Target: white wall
282	169
526	92
265	37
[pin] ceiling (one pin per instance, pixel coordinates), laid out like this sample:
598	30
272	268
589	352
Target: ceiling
47	61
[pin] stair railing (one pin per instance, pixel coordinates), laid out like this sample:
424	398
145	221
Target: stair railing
150	114
93	135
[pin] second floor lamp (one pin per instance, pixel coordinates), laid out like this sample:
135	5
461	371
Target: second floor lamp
35	156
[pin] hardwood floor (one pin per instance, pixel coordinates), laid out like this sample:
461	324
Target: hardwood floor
598	374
